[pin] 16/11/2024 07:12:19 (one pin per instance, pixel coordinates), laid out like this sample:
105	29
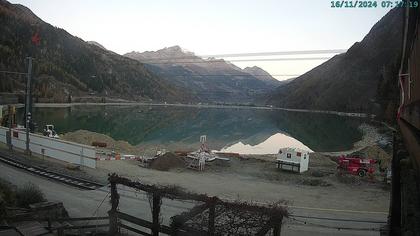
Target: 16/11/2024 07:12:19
374	4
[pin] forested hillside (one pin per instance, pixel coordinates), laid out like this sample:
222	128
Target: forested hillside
364	79
66	65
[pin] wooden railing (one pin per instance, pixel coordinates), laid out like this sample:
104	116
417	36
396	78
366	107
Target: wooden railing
272	219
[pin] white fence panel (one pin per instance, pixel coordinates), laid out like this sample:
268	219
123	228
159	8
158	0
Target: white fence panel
3	138
58	149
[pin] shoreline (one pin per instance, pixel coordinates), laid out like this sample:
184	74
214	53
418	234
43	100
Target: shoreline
64	105
370	137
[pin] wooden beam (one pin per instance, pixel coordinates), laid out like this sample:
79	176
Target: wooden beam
212	216
85	226
157	201
175	193
277	227
84	218
113	218
134	220
134	229
412	142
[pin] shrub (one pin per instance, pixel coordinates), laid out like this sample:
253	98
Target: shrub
7	197
29	194
7	193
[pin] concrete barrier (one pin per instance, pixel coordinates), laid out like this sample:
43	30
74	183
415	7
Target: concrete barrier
55	148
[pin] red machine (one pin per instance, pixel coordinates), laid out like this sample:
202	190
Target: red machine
356	165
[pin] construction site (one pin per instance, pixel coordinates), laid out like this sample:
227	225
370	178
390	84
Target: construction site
217	193
81	182
218	184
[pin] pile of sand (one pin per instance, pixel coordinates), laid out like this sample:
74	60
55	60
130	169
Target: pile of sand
320	160
167	161
377	153
87	137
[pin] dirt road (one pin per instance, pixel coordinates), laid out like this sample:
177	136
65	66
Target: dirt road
88	203
260	181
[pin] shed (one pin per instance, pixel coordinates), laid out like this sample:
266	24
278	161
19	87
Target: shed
293	159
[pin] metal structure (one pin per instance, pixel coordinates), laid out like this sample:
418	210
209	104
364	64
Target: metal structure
409	81
211	216
28	104
356	165
405	195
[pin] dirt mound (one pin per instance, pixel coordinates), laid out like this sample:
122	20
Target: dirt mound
320	160
377	153
88	137
167	161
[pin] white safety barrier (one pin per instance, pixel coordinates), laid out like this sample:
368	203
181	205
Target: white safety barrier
55	148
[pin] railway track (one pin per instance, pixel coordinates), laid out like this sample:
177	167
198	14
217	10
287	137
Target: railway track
62	178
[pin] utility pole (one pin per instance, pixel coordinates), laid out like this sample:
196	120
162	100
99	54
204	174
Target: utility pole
27	105
10	116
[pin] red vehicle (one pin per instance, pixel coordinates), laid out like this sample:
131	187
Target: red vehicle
356	165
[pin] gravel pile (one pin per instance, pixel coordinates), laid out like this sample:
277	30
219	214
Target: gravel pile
87	137
320	160
167	161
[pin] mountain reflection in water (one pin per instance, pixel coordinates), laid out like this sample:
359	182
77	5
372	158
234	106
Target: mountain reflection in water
243	130
268	146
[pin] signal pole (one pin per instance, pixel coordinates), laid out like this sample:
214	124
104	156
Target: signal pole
27	105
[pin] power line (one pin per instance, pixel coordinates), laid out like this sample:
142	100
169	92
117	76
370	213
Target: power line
255	54
306	52
236	60
285	59
206	75
233	75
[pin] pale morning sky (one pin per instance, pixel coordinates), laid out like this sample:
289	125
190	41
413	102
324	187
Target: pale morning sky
213	26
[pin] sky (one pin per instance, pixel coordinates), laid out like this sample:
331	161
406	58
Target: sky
213	26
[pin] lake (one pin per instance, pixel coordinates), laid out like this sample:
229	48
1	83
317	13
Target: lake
242	130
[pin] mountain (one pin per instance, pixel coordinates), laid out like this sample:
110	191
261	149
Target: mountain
262	75
364	79
210	80
96	44
66	65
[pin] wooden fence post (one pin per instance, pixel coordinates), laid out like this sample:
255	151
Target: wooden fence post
277	226
212	215
155	214
113	217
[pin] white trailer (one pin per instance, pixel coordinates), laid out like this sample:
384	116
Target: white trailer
293	159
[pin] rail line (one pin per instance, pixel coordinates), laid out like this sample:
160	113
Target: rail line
59	177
